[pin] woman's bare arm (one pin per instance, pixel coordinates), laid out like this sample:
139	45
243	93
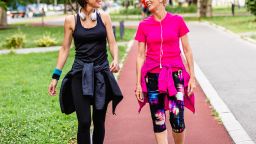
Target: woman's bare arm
139	63
190	62
69	25
114	67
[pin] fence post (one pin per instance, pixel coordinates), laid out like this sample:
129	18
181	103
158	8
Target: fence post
114	30
121	29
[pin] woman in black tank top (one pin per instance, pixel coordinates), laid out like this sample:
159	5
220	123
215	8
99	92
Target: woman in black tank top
90	80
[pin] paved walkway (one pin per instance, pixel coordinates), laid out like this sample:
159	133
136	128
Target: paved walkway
60	22
229	63
129	127
43	49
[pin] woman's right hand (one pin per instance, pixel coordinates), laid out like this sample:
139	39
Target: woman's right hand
52	87
139	93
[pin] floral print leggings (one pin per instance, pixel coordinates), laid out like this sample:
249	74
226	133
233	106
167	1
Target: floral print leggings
176	103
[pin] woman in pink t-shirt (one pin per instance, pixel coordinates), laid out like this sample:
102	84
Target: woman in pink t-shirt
162	79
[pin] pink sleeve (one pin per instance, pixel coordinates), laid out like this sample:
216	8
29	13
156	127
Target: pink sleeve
140	35
183	29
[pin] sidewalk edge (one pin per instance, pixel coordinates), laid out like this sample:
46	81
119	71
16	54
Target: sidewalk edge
234	128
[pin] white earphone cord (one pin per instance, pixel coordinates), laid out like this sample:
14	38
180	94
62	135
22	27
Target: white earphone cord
161	47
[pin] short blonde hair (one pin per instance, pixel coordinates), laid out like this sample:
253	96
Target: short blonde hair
165	2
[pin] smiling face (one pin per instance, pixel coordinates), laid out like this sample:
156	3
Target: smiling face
153	4
94	3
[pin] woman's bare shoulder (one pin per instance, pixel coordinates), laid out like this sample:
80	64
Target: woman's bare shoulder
70	19
102	13
104	16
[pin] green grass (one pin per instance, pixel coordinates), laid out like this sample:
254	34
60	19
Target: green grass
182	10
28	113
128	34
34	33
238	24
118	17
227	10
216	115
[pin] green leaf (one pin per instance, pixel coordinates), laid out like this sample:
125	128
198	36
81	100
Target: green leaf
3	5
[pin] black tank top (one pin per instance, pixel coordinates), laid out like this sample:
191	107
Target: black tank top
90	43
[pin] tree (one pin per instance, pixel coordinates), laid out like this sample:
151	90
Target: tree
3	14
204	8
251	6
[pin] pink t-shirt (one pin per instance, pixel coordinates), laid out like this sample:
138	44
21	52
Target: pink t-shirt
162	47
167	32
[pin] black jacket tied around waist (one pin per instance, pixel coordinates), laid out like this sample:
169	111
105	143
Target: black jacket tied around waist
97	83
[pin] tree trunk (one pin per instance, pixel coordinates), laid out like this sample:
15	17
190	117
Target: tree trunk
202	8
194	2
65	6
3	17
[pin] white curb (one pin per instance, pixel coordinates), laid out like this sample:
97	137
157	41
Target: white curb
39	49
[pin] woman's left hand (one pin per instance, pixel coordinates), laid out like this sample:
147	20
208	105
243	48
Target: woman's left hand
114	66
191	86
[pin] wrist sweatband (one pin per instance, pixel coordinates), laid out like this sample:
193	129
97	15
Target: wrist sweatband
56	74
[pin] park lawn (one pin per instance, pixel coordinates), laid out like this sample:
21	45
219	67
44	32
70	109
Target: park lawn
237	24
128	34
28	113
242	22
34	33
121	17
227	10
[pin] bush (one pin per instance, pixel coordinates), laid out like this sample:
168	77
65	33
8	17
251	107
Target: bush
46	41
189	9
251	6
131	11
15	41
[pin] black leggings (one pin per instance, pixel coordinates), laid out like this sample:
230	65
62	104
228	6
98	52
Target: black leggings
83	112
